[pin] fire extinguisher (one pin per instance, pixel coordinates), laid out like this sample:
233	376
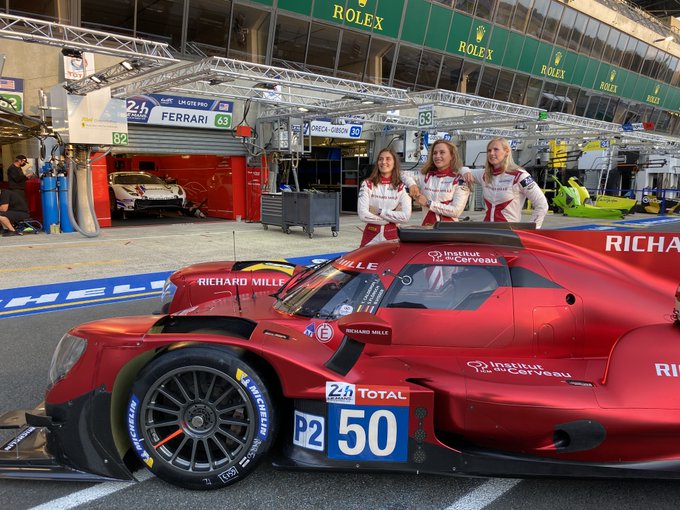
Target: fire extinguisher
64	220
48	196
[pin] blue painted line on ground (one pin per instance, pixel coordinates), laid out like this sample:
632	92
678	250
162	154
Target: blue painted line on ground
63	296
56	297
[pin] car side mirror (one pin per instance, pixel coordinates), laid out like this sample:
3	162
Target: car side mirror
366	328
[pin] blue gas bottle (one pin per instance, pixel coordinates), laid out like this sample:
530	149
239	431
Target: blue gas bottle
64	219
50	209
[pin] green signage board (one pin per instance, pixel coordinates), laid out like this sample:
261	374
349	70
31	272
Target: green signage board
382	18
438	27
13	102
417	14
591	73
655	93
542	58
497	44
609	79
526	61
629	86
476	45
513	50
303	7
460	31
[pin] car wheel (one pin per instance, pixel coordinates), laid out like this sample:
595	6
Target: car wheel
115	212
200	418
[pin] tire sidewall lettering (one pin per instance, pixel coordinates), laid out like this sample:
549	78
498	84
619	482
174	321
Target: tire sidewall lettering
260	404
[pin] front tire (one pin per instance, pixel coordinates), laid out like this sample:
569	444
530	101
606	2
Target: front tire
113	206
200	418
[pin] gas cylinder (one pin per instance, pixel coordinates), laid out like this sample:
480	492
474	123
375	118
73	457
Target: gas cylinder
64	219
48	197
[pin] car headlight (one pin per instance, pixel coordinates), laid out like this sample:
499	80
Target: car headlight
167	295
67	353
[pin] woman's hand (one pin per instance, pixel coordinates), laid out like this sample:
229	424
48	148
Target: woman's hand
422	200
414	191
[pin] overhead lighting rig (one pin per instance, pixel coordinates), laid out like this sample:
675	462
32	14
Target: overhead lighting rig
124	70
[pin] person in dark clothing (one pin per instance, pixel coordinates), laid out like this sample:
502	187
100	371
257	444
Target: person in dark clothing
16	175
13	209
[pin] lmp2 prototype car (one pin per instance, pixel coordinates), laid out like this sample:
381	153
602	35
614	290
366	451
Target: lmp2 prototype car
141	191
211	280
466	349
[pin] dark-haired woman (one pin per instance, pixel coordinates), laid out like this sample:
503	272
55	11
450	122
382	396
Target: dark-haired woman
384	202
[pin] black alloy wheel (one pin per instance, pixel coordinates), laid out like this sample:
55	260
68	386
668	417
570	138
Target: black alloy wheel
200	418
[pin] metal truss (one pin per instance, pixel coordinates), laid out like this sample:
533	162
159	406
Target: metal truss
246	92
65	36
218	70
447	98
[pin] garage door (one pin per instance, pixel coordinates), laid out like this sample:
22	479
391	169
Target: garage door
167	140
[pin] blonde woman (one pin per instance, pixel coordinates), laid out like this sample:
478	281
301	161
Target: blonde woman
383	200
439	186
506	186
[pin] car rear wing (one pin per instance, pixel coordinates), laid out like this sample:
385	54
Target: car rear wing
499	233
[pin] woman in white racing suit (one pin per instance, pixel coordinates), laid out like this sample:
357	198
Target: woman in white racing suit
506	186
439	186
383	200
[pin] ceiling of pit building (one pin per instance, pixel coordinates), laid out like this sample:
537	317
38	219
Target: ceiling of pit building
659	8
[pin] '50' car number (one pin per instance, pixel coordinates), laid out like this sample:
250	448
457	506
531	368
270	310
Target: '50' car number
368	432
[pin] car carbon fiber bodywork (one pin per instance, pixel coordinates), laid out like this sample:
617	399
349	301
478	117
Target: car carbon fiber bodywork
465	349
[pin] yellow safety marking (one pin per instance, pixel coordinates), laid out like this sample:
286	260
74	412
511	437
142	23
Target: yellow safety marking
88	301
64	266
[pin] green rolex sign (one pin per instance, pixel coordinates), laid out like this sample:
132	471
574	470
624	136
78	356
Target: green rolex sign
378	16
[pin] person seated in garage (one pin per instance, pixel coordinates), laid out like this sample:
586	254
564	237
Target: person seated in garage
13	209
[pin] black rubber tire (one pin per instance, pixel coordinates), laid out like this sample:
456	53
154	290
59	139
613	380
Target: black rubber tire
115	212
205	439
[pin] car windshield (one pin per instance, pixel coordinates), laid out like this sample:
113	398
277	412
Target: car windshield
137	179
331	293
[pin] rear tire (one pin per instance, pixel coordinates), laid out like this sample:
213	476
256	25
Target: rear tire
200	418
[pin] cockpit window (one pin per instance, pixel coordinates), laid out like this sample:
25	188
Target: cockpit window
445	287
332	293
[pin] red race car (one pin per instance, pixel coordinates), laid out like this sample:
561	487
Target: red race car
211	280
467	349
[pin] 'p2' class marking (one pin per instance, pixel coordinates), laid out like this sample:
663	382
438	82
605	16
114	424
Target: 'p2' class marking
369	433
309	431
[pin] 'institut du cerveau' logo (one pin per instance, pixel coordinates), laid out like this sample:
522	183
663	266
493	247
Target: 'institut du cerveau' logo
555	69
478	48
357	16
